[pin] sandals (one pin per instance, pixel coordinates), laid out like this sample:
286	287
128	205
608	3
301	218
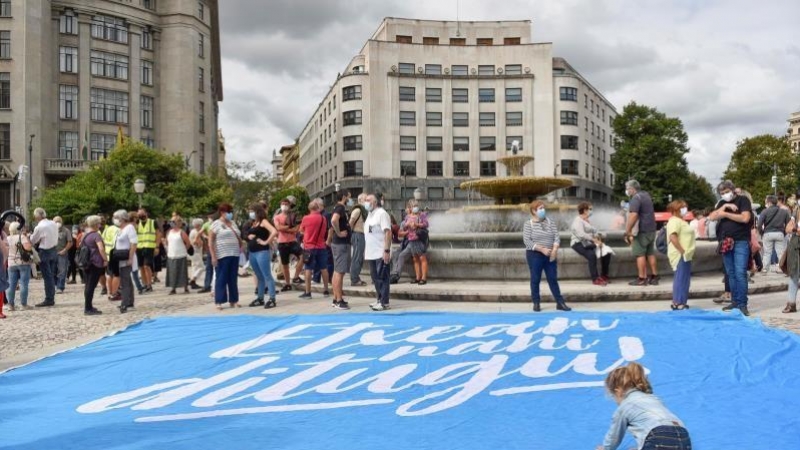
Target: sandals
422	282
680	307
790	308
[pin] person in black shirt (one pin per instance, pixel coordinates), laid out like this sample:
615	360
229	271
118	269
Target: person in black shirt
340	246
259	236
733	233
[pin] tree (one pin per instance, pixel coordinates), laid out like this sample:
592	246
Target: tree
108	186
250	185
651	148
298	192
752	165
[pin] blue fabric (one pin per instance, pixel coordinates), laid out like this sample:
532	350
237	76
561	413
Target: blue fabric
736	263
260	262
538	262
403	381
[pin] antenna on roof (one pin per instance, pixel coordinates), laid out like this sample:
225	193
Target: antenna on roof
458	14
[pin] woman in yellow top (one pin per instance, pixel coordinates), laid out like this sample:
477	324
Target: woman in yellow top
680	252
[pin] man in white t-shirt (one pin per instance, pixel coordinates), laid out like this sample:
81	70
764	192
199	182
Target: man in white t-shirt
378	236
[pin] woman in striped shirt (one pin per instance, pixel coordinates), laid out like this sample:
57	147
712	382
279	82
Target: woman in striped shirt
224	246
541	250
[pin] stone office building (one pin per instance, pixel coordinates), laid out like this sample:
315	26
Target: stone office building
429	104
73	72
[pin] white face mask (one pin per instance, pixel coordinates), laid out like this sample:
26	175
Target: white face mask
684	211
58	225
728	196
284	208
368	206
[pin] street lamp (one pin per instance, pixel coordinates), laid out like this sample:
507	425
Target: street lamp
138	187
774	180
30	171
337	186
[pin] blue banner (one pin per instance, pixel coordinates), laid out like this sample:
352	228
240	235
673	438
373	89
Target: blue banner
403	381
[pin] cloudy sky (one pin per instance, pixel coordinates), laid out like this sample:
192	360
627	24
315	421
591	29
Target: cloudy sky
728	68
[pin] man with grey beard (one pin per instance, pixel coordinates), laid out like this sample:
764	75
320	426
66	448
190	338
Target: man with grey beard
378	236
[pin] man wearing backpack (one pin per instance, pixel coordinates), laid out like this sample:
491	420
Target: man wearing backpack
640	233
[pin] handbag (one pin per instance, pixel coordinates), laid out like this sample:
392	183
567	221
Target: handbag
589	245
725	245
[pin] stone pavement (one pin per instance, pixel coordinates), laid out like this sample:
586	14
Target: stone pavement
30	335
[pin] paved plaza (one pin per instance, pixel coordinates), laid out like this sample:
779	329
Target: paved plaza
33	334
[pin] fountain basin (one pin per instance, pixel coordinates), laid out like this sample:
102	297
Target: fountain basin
515	187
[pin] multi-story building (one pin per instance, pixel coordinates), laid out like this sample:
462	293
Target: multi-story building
75	72
277	165
794	131
430	104
291	174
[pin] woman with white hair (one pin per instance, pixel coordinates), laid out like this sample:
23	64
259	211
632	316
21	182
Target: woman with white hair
124	257
196	260
177	256
19	269
98	260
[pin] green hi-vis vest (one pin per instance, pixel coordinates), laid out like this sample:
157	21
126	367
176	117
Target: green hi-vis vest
146	234
110	238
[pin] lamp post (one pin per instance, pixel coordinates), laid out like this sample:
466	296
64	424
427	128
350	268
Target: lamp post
30	171
774	180
138	187
337	186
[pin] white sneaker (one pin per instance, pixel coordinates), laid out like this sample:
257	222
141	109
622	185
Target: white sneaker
379	307
373	305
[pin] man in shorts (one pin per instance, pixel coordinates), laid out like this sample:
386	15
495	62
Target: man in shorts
340	246
286	224
314	228
642	215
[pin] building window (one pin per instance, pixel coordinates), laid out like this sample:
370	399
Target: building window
569	167
460	119
485	70
514	119
67	144
201	79
485	41
110	29
488	143
407	68
5	45
486	95
460	95
587	146
354	142
433	69
68	59
511	41
147	111
436	193
460	168
510	140
569	142
353	168
149	4
201	10
433	143
407	94
201	45
459	70
486	119
569	118
513	95
433	95
430	40
488	169
351	117
435	169
5	141
202	118
592	150
351	93
68	101
408	118
403	39
460	143
68	23
458	41
408	169
150	142
101	144
586	170
5	90
433	119
109	106
109	65
147	39
513	69
569	94
408	143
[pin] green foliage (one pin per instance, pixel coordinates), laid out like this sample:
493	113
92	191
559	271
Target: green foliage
108	186
249	185
298	191
751	165
651	148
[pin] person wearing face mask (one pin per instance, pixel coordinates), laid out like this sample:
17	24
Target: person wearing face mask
149	238
45	235
287	225
733	233
62	250
177	247
415	225
680	252
640	233
340	246
583	242
314	229
124	255
225	244
542	241
378	234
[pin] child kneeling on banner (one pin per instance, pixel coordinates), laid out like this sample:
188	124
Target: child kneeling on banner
642	413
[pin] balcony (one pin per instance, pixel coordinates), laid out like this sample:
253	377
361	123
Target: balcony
64	166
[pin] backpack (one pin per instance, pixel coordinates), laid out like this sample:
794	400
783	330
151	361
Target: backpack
661	240
24	255
83	259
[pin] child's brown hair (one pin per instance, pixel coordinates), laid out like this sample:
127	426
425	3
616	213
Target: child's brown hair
629	377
